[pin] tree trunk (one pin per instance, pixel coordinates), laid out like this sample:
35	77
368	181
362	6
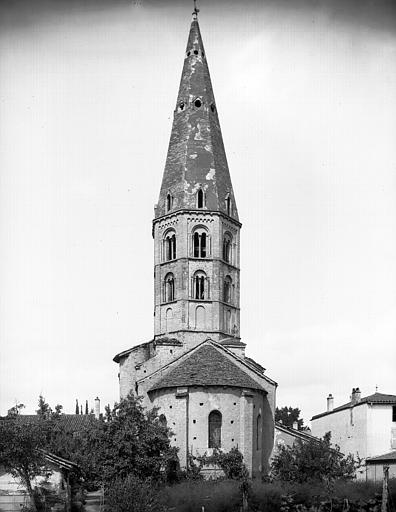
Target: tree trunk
29	488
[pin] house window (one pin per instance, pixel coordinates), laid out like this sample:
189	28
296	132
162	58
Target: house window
200	198
199	285
227	287
169	246
227	241
214	429
394	413
169	288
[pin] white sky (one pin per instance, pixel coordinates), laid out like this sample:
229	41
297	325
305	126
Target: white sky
306	99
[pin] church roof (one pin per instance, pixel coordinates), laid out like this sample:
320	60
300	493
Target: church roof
206	366
196	157
375	398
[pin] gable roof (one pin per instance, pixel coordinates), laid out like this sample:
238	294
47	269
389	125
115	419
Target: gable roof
386	457
70	422
206	366
300	434
375	398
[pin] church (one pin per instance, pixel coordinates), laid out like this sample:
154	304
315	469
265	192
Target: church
209	393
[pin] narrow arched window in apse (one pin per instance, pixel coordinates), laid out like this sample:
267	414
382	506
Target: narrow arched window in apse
214	427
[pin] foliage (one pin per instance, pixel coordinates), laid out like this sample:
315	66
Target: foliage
288	415
21	451
131	442
312	460
132	495
214	495
230	462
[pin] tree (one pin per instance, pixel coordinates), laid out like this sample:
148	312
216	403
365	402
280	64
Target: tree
77	407
21	451
86	406
288	415
131	442
44	409
313	460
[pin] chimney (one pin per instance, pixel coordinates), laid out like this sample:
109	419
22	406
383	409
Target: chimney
330	403
295	425
356	395
97	408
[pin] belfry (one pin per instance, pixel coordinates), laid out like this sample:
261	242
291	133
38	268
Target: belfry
196	226
194	369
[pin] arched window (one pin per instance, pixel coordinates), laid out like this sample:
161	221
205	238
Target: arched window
200	198
228	205
227	289
259	429
169	288
200	285
169	246
227	247
214	422
169	202
200	242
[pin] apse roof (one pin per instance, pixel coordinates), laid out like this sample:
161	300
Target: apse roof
206	366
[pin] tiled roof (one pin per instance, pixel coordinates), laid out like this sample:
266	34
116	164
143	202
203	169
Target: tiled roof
206	366
375	398
391	457
71	422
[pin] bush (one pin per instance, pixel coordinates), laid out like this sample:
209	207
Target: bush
132	495
215	496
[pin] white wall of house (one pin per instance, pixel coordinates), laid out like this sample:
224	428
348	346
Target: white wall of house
381	430
348	429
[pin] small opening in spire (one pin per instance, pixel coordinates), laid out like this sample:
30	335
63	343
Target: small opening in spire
200	198
188	53
195	52
212	107
198	103
181	105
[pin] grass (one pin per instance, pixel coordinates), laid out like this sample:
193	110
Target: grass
226	496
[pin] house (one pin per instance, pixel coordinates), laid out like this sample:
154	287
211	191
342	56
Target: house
375	466
13	494
195	369
364	426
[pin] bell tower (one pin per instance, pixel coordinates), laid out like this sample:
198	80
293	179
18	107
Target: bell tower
196	228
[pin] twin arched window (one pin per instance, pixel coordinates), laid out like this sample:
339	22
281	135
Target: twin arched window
200	285
227	248
214	424
199	244
169	288
169	246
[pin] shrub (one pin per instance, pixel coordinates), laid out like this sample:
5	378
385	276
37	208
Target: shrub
191	496
230	462
132	495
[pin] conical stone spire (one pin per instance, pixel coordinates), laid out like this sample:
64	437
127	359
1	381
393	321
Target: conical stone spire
196	157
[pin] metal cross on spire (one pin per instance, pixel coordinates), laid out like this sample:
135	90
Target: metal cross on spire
196	10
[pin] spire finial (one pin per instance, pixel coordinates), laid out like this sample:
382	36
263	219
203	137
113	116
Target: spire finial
196	10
